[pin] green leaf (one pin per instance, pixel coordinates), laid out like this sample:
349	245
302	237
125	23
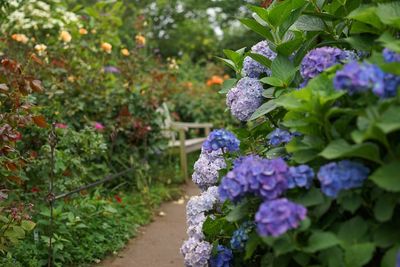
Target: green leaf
390	120
367	15
341	149
384	207
309	24
320	241
387	177
390	42
227	85
28	225
257	28
213	228
280	12
251	245
261	59
332	257
389	13
264	109
353	230
282	68
359	254
283	245
288	47
349	201
389	260
228	62
309	198
274	81
238	212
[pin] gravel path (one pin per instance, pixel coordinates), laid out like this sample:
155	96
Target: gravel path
158	243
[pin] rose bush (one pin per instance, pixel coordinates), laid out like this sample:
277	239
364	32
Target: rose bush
315	182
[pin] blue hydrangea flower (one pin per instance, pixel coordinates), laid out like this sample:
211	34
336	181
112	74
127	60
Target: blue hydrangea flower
252	174
319	59
223	258
300	176
196	252
359	77
221	139
245	98
337	176
390	56
206	168
276	217
279	136
398	260
240	236
252	68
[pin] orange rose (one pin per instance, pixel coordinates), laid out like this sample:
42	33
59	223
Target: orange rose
125	52
83	31
106	47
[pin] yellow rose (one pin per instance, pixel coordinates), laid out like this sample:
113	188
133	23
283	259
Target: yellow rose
40	47
83	31
65	36
125	52
106	47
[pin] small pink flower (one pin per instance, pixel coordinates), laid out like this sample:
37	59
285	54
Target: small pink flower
98	126
61	126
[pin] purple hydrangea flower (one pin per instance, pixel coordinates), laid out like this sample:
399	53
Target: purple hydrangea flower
240	236
205	202
319	59
390	56
111	69
398	260
359	77
276	217
221	139
206	168
245	98
196	252
263	177
300	176
223	258
252	68
345	174
279	136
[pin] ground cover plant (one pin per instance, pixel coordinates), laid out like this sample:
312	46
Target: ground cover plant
314	181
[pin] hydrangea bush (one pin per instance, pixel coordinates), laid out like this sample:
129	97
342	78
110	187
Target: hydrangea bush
315	181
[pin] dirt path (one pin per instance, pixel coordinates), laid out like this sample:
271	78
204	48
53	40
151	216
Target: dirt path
157	244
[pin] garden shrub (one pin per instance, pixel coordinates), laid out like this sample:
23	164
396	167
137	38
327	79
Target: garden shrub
315	182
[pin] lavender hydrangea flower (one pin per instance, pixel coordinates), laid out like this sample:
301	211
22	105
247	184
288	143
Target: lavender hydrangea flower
337	176
398	260
359	77
205	202
276	217
206	168
223	258
319	59
390	56
240	236
300	176
111	69
279	136
221	139
245	98
252	68
196	252
263	177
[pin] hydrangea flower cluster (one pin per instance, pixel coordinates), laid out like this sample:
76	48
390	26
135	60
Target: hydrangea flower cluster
319	59
398	260
390	56
360	77
252	174
245	98
279	136
223	258
206	168
196	252
300	176
254	69
275	217
240	236
221	139
345	174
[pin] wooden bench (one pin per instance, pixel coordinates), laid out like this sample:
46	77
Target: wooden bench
185	146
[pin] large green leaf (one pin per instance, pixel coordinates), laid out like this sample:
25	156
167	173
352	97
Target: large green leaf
282	68
257	28
320	241
238	212
309	198
264	109
309	23
389	13
384	207
353	230
227	85
367	15
387	176
340	149
390	120
389	260
359	254
261	59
